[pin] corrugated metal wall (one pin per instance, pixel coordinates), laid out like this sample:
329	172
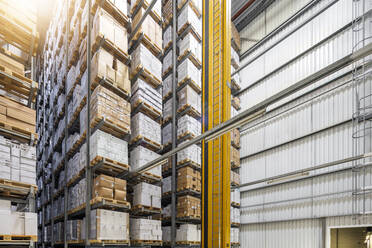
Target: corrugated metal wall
309	128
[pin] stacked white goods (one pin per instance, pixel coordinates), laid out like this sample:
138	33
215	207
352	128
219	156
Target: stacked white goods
140	156
188	233
16	223
188	125
166	234
166	185
190	154
167	86
188	71
147	195
167	211
77	194
167	115
108	225
144	93
17	161
235	215
145	127
188	98
167	134
234	235
142	57
145	229
235	197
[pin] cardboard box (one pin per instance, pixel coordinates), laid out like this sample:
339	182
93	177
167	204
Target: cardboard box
188	97
140	155
120	195
120	184
188	125
235	157
144	126
141	56
188	233
187	70
104	181
188	206
188	178
147	195
145	229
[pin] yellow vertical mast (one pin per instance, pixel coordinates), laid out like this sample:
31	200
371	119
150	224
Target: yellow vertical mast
216	110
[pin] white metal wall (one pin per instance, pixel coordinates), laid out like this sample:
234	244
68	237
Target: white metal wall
301	131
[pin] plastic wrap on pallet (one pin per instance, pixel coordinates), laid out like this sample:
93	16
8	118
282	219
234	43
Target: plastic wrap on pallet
17	223
77	194
146	194
149	27
167	111
197	3
166	233
60	103
188	233
167	37
166	185
187	97
167	134
235	196
189	17
188	125
188	206
71	140
141	56
107	146
234	235
140	155
190	154
188	179
74	166
145	229
167	85
144	126
190	43
187	70
167	62
104	25
108	225
143	92
156	9
235	215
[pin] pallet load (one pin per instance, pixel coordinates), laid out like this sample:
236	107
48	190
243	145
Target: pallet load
18	96
235	139
62	121
188	78
188	234
146	43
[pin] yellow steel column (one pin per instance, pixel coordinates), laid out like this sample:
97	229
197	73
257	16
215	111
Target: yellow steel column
216	110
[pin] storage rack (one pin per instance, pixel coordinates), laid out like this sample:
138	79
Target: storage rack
73	126
177	59
18	193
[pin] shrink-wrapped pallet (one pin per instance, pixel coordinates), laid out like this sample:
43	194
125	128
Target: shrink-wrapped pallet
166	185
141	56
107	146
189	17
188	179
234	235
235	215
188	233
167	134
187	70
190	44
144	127
104	25
146	194
149	28
108	225
188	125
71	77
143	92
145	229
187	97
188	206
167	62
235	196
167	38
166	233
190	154
104	65
167	85
140	155
167	111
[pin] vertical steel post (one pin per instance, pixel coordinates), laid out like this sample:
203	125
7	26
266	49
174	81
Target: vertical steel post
174	121
66	131
88	169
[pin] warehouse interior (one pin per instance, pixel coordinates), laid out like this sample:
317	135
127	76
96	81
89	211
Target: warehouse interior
188	123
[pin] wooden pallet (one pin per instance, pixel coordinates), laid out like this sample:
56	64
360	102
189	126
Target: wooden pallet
74	147
110	47
109	166
149	177
191	4
76	113
147	109
76	177
188	242
190	110
110	7
146	242
234	165
18	238
110	126
147	76
147	42
145	210
110	84
189	163
167	47
152	145
235	105
235	145
235	224
22	88
185	135
192	58
165	121
192	31
188	217
234	64
166	194
15	189
235	86
169	69
100	199
235	204
189	187
235	184
192	83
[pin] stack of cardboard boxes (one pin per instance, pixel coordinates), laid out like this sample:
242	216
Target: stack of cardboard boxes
146	143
